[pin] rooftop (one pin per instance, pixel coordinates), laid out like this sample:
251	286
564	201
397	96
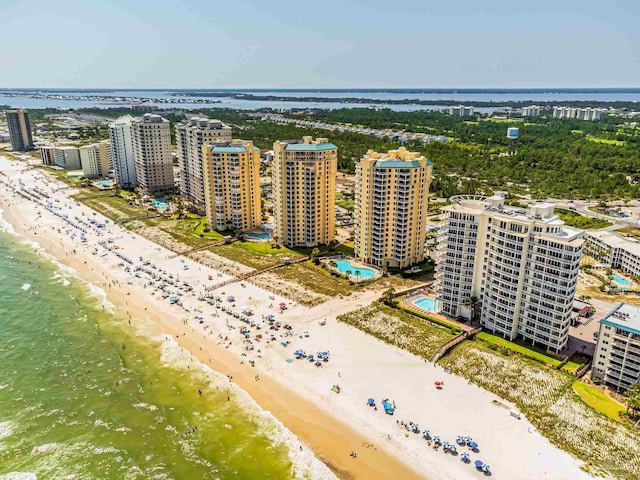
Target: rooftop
614	240
625	317
309	147
233	148
394	163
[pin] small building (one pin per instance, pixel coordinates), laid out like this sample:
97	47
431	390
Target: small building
617	359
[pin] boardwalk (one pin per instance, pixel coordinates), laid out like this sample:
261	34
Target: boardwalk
256	272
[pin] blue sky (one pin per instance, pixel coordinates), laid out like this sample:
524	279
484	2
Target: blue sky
324	44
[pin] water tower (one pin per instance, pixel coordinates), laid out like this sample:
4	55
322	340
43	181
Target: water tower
512	135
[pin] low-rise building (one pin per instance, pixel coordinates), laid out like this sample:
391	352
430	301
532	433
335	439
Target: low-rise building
614	250
616	362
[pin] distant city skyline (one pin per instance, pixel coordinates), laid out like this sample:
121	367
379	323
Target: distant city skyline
354	44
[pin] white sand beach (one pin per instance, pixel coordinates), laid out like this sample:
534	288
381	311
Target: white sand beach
297	392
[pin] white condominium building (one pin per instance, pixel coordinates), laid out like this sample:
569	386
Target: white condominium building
616	362
618	252
589	114
461	111
232	185
304	180
521	265
124	168
151	140
531	111
392	195
190	136
95	159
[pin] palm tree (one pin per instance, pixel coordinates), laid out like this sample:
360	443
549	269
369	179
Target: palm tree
473	303
388	296
357	272
349	273
333	264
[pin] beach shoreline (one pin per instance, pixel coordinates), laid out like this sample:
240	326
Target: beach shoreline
298	395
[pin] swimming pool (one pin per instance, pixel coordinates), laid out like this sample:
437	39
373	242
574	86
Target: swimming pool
428	304
160	205
620	281
105	184
344	265
259	234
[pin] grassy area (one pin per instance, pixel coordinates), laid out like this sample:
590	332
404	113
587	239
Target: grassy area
523	348
575	363
316	279
452	327
630	231
607	141
398	328
597	400
546	398
115	208
344	202
574	219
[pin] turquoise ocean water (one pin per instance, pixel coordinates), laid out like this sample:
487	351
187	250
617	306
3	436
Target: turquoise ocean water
83	397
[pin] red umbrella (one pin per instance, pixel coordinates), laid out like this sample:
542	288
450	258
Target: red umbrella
282	304
438	384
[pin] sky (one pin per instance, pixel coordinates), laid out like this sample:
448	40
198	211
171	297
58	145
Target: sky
322	44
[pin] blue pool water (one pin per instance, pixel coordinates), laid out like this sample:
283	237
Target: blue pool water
105	184
344	265
160	205
620	281
427	303
262	235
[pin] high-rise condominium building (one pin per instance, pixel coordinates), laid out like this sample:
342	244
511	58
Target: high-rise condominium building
124	167
589	114
67	157
190	136
95	159
461	111
19	130
616	362
531	111
232	185
392	194
151	140
522	266
304	179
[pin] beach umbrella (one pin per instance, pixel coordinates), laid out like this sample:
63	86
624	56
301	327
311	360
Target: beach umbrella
473	444
426	434
479	463
371	401
485	468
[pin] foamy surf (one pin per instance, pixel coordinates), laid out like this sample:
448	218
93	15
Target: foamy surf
26	287
19	476
305	463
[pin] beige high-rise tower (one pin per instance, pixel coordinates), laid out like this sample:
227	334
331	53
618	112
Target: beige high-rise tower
232	185
95	159
151	141
304	180
392	195
191	135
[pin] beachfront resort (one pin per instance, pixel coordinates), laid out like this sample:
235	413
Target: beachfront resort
506	276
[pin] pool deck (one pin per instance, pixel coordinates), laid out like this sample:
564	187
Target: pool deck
357	265
409	305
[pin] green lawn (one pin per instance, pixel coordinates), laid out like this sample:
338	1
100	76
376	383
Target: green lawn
574	219
576	362
608	141
597	400
518	346
632	231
